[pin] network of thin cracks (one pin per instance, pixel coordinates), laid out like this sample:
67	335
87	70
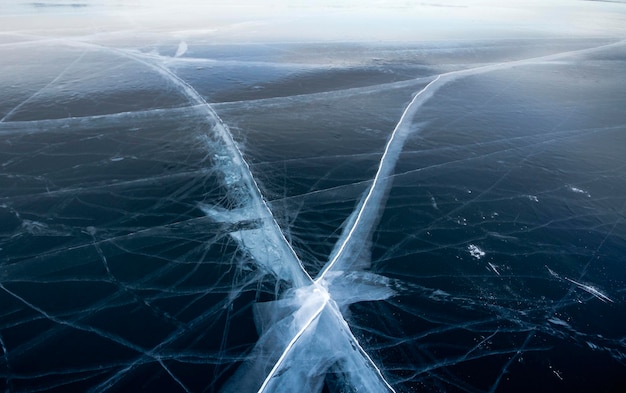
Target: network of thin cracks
243	221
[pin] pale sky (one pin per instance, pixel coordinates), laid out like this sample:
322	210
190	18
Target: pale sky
322	20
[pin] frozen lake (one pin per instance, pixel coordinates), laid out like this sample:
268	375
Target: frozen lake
180	213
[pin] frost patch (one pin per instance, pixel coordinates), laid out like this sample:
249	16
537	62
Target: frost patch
558	321
592	345
475	251
34	227
579	191
433	203
493	267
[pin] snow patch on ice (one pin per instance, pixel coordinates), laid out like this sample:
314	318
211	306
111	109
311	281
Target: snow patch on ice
182	49
475	251
579	191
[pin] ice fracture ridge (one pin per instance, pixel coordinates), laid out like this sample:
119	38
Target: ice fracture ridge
386	166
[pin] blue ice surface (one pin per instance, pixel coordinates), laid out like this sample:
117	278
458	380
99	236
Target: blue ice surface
467	222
